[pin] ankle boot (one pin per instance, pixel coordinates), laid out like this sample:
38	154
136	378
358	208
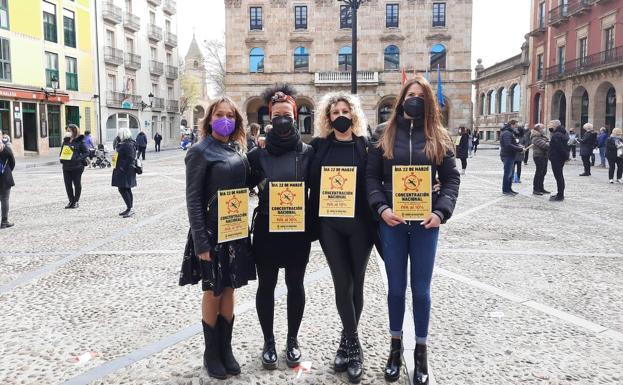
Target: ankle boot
227	356
355	359
69	205
293	353
420	375
5	223
341	356
394	361
211	355
269	354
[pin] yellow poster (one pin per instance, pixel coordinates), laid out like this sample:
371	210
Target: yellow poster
233	214
114	160
412	198
287	207
67	153
338	187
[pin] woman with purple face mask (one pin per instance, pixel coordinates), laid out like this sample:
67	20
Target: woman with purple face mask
218	162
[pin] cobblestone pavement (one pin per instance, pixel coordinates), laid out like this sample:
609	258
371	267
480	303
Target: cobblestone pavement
525	291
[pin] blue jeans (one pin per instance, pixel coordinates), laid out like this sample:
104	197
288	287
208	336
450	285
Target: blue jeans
398	244
602	155
507	180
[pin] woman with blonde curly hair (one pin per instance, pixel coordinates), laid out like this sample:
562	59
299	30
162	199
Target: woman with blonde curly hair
340	141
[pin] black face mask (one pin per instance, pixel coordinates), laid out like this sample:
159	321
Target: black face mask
283	125
342	124
414	108
551	129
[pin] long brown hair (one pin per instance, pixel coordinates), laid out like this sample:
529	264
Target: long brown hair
438	141
238	135
75	131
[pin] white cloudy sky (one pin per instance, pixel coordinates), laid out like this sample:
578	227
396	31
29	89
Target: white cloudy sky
499	26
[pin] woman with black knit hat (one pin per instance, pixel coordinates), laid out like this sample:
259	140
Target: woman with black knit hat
280	170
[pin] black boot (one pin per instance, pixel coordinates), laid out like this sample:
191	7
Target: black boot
355	359
341	356
394	362
69	205
211	355
5	223
420	375
227	356
293	353
269	354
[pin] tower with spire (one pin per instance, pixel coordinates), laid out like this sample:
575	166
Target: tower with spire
194	65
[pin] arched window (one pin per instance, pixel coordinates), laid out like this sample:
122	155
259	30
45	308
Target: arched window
392	58
301	59
584	110
345	58
482	103
501	107
491	99
515	97
256	60
385	111
438	56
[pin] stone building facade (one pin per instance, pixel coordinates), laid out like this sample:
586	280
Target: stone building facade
307	43
194	71
501	94
576	74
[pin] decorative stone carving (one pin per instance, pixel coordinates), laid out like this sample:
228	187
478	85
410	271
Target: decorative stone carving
392	37
439	37
233	3
256	40
301	39
278	3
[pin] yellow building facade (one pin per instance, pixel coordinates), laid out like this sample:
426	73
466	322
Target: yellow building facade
47	72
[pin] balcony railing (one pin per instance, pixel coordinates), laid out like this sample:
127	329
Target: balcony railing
539	30
155	2
559	15
111	13
51	77
132	22
173	106
331	78
170	39
579	6
132	61
113	56
157	103
154	32
171	72
169	7
585	64
156	68
122	100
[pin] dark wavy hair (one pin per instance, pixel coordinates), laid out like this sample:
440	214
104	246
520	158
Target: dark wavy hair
238	135
278	87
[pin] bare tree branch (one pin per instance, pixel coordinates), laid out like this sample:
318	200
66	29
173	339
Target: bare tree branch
215	64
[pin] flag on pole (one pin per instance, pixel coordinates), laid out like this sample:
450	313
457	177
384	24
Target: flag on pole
440	98
404	76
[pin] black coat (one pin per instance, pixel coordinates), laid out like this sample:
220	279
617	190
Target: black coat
124	174
611	147
157	138
81	153
462	149
141	140
8	160
558	145
509	145
588	143
409	150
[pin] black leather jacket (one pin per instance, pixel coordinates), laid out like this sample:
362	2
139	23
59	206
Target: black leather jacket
210	166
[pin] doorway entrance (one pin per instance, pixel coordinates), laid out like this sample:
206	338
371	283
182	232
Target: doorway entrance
29	117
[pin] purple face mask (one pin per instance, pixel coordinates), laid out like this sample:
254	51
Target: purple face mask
223	126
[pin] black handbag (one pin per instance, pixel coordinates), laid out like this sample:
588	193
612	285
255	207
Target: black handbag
190	273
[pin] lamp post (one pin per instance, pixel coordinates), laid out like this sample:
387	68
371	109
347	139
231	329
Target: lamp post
354	6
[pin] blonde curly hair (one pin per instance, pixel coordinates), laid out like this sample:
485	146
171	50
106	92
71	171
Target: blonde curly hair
322	125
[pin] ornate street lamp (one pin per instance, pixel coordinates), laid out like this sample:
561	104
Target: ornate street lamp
354	6
145	105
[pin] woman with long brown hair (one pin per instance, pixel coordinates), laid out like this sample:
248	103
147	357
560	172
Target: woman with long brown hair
414	137
215	164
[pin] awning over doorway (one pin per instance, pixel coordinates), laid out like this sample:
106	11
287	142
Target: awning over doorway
32	94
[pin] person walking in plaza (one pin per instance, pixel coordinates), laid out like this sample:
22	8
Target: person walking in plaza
462	150
573	142
509	148
540	146
141	144
124	173
476	141
285	158
470	143
89	142
519	134
588	142
73	157
217	162
526	141
7	165
340	141
558	155
614	153
601	144
252	135
414	136
157	140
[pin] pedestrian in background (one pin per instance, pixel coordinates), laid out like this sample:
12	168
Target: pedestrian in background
462	150
558	155
73	156
614	153
7	165
540	148
252	135
6	140
588	142
509	148
157	140
476	141
526	143
124	173
519	134
601	144
141	144
90	143
573	142
470	143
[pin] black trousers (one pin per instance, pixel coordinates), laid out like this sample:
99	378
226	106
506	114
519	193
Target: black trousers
475	148
128	198
557	167
267	275
526	156
141	152
615	162
586	160
347	244
517	169
5	193
572	151
539	174
463	163
73	183
157	147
